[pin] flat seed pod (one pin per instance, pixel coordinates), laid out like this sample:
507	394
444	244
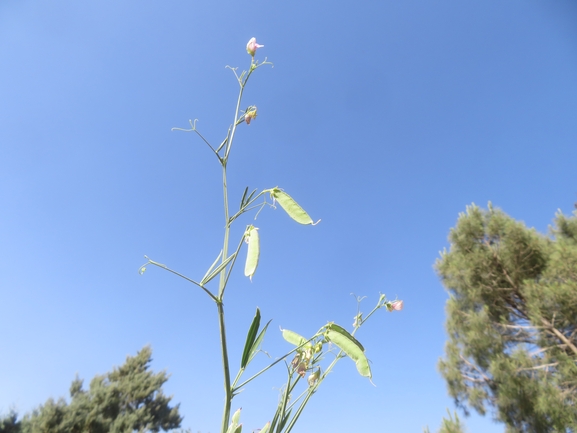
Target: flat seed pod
353	350
293	337
346	333
253	252
291	207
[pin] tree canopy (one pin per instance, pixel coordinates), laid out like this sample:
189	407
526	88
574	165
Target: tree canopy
127	399
512	320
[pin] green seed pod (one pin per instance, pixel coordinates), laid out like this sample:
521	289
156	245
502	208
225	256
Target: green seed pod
253	252
354	350
293	337
291	207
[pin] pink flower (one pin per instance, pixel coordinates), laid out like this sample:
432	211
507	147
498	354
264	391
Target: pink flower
397	305
252	46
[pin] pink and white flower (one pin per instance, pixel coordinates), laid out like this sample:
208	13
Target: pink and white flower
252	46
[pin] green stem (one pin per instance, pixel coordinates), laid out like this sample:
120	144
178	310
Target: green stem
220	306
223	280
226	369
223	275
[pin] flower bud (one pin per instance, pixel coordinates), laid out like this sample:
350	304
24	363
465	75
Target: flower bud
314	377
396	305
252	46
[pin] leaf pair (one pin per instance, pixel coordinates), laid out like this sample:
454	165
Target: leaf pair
253	340
212	272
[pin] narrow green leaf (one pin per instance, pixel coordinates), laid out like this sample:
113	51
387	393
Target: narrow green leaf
291	207
253	252
284	420
352	348
217	270
250	196
250	339
257	342
243	197
293	337
211	267
266	428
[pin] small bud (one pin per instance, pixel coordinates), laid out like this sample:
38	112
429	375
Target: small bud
396	306
252	46
236	416
314	377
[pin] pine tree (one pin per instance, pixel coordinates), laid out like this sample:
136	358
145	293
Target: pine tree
128	399
512	320
9	423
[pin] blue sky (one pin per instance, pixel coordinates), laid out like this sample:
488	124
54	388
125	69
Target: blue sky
385	119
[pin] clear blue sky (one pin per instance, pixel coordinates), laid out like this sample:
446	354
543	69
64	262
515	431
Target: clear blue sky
383	118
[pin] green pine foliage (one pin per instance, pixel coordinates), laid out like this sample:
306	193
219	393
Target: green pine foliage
128	399
9	423
512	320
452	424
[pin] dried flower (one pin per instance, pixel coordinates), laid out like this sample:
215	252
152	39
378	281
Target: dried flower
250	114
302	369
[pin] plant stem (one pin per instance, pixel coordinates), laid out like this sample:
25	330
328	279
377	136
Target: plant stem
220	306
223	275
223	280
226	369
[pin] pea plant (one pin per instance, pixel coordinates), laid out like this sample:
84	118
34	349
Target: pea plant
307	354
